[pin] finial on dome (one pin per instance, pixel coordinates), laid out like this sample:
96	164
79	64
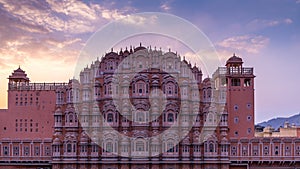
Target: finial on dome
233	54
140	44
112	49
183	57
169	49
19	67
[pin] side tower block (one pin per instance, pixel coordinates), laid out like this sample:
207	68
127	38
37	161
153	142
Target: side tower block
240	98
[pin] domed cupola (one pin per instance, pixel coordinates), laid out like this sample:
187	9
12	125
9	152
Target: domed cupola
19	75
195	69
121	52
234	60
18	79
112	55
139	48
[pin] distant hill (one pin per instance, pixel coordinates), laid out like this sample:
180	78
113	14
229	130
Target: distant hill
279	121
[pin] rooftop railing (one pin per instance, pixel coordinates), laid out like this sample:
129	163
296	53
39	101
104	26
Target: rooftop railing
227	71
37	86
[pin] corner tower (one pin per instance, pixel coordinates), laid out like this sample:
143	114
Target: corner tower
18	81
240	98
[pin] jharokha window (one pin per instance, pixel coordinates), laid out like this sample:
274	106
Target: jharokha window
109	147
170	117
140	87
110	117
140	146
140	116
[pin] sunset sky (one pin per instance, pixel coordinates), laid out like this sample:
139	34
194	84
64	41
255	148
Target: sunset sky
45	37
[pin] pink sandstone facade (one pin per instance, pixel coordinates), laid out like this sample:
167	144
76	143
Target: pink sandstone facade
77	125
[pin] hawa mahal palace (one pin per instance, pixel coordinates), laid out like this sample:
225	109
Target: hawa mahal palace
81	125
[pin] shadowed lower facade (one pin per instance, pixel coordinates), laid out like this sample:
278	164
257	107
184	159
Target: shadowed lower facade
161	114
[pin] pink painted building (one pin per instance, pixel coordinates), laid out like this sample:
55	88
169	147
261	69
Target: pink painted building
92	124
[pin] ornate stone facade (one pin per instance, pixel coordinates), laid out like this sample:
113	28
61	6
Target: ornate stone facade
157	112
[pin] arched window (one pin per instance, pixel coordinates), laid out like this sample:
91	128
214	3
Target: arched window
110	65
109	91
110	117
56	148
170	89
171	147
209	93
141	87
140	117
71	118
211	147
109	147
140	146
133	88
170	117
69	148
59	97
211	118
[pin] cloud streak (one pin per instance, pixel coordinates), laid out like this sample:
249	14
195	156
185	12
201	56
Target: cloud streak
166	6
49	29
252	44
257	24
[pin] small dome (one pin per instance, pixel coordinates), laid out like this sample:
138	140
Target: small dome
56	141
58	111
234	59
121	52
139	48
84	138
111	54
184	61
126	52
206	80
195	69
